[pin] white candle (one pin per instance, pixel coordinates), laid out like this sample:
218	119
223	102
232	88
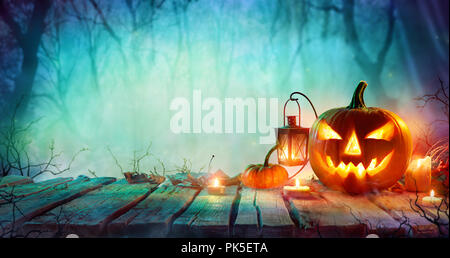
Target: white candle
431	200
297	191
418	175
216	188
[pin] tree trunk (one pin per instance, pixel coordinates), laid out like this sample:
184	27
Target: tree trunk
29	43
371	68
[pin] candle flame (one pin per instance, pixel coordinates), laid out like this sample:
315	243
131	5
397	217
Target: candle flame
297	182
216	182
285	154
432	193
421	161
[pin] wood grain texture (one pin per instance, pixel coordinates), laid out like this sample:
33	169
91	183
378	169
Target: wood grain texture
207	216
57	207
14	180
153	217
28	189
16	213
89	215
317	217
399	207
434	212
274	220
263	213
375	220
246	223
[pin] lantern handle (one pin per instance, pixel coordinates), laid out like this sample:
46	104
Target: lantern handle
295	99
284	111
291	98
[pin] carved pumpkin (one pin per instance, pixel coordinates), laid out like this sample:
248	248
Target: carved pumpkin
263	176
357	149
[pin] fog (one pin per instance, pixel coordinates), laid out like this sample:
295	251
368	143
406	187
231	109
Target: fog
108	80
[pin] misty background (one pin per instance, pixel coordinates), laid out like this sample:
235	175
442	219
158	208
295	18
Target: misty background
100	74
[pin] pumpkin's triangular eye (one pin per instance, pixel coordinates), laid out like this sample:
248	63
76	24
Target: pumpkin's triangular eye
385	132
327	133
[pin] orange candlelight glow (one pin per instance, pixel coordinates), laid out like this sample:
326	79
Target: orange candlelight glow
418	175
352	147
215	188
297	190
431	200
343	170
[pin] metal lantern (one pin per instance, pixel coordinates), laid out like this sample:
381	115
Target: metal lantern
293	138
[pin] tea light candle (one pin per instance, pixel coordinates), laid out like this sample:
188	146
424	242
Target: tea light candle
216	188
431	200
418	175
297	191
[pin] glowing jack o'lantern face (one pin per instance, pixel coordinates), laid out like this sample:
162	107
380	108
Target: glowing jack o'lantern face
357	149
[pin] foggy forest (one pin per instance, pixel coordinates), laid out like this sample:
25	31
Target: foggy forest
86	85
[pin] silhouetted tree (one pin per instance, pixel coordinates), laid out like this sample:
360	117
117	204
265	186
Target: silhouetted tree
26	22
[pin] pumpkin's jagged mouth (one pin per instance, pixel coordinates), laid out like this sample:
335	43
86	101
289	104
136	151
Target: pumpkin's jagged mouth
359	171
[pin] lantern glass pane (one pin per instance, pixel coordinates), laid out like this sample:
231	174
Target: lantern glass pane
283	151
299	145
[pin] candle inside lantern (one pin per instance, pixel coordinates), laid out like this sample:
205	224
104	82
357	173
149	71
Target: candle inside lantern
216	188
418	175
297	191
431	200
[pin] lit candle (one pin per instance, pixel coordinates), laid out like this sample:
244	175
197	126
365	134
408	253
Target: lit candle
216	188
418	175
431	200
297	191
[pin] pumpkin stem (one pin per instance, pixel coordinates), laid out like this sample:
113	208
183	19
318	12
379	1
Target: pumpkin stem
358	96
266	160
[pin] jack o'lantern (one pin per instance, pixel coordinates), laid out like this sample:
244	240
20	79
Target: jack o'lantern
263	176
357	149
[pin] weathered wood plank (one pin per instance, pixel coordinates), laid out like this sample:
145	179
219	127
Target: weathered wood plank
89	215
274	220
17	212
435	211
207	216
28	189
263	213
153	217
246	223
399	207
14	180
317	217
365	212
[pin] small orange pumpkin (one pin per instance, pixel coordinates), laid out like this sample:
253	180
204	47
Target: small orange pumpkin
263	176
357	149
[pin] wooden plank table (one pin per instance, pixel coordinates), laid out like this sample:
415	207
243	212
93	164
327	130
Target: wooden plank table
19	191
14	180
363	211
88	215
13	214
263	213
318	217
399	207
91	207
207	216
153	217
